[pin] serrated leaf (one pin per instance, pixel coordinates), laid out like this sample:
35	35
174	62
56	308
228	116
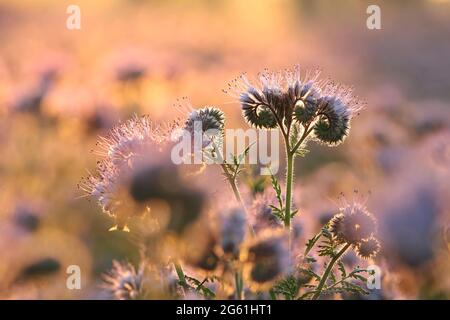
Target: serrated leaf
341	268
311	242
277	188
288	287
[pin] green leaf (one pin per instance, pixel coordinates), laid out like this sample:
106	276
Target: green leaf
341	268
288	287
278	212
311	242
276	186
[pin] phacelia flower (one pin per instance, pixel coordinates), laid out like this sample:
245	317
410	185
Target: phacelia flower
266	259
334	111
130	139
271	100
124	282
210	118
353	224
131	151
207	123
280	99
368	248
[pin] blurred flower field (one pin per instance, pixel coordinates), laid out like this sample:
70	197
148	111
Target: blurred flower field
83	108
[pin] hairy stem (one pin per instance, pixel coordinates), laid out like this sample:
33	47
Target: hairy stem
328	271
290	158
232	181
289	178
233	184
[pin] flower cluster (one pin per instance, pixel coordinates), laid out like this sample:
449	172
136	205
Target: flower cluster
281	99
227	250
356	226
133	172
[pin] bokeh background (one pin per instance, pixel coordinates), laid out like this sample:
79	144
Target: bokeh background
60	89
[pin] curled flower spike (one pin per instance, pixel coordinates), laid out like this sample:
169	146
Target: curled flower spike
277	99
368	248
266	259
271	101
124	282
353	224
207	122
334	112
210	118
255	111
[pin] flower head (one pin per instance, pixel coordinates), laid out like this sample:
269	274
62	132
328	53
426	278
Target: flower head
271	99
133	172
131	139
208	122
210	118
124	282
335	108
353	224
281	99
368	248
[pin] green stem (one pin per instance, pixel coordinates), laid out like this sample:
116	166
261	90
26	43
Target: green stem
233	184
239	284
290	157
180	273
328	271
237	194
289	178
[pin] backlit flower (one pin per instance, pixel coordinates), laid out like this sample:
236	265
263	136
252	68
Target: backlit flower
124	282
353	224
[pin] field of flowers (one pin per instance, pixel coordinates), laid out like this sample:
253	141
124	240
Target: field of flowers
117	180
